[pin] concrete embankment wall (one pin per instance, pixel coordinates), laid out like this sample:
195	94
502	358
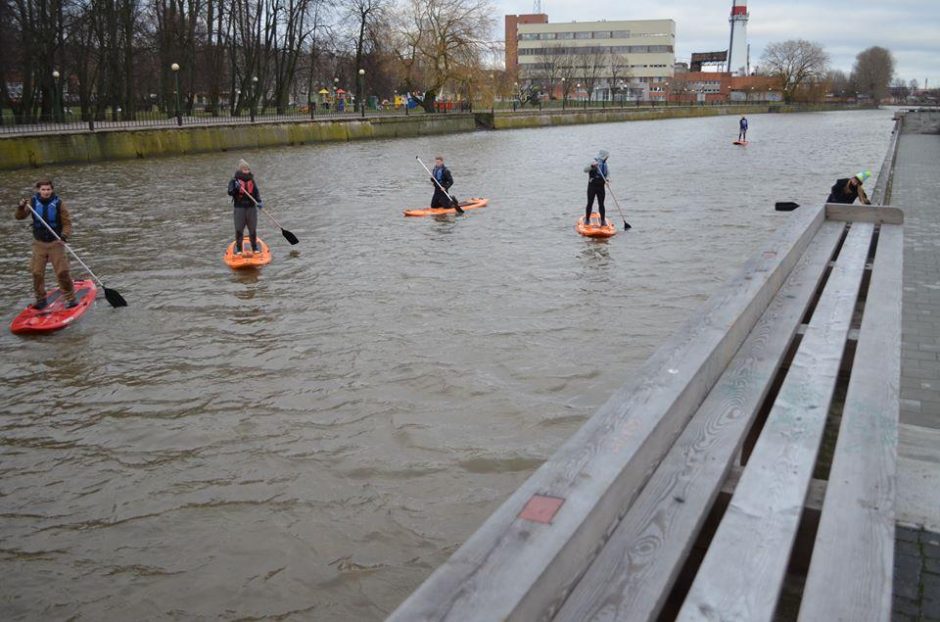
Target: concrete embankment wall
123	144
23	151
572	116
924	121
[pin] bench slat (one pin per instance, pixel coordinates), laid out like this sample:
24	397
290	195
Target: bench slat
632	576
742	574
856	529
516	568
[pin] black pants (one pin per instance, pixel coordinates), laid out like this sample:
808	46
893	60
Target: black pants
595	190
742	135
440	199
246	216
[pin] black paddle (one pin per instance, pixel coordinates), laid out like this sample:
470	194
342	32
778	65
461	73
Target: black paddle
290	237
113	297
454	203
785	206
616	202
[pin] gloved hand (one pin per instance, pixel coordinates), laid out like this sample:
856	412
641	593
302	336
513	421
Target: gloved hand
23	202
260	204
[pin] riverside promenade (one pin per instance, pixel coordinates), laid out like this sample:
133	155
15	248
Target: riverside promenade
915	186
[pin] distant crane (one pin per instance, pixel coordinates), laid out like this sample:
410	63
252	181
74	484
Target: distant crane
537	7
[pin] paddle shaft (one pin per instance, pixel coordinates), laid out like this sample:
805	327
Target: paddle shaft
289	236
437	183
616	202
65	244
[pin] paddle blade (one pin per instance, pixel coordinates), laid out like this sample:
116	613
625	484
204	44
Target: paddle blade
785	206
456	204
114	298
290	237
626	225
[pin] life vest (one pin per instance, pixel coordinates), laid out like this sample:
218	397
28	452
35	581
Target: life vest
245	187
48	212
595	173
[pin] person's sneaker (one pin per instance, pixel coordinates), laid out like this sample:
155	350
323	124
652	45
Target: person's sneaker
256	249
39	305
71	304
236	251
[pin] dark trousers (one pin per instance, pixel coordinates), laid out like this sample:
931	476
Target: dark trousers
595	190
246	216
742	135
440	199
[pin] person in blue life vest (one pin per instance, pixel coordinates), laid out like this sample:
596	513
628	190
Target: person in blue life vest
242	188
442	174
597	176
742	129
850	188
46	247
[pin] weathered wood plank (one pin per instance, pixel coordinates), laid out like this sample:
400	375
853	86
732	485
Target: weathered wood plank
634	573
743	570
513	568
856	529
876	214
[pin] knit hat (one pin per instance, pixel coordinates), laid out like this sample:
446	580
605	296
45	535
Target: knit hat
242	164
603	154
862	176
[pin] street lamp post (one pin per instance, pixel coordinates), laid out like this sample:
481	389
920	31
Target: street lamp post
55	94
362	96
254	96
176	76
564	94
335	94
238	94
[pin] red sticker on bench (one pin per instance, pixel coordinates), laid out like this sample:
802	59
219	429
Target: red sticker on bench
541	509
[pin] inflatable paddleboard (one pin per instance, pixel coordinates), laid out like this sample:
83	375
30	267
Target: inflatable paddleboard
247	259
55	315
594	229
473	203
740	142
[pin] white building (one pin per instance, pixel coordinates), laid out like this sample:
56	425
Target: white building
608	59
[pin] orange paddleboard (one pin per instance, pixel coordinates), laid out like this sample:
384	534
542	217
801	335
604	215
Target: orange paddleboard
594	229
247	259
473	203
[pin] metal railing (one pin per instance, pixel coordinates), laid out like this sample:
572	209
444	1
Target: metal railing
70	121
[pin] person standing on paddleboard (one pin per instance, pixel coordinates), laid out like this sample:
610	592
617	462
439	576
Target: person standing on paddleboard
742	129
597	176
848	189
242	188
442	174
46	248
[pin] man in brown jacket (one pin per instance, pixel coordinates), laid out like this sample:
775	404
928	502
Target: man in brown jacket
46	247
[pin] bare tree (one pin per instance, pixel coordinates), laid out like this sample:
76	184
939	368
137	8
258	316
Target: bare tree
549	72
440	40
796	62
619	71
839	83
873	71
594	65
363	13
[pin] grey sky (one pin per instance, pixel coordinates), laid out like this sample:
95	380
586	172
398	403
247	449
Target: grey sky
909	28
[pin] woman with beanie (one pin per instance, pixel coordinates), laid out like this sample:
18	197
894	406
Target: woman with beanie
245	196
597	178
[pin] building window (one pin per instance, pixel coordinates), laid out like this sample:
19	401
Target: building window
565	35
602	34
620	34
582	35
545	36
528	36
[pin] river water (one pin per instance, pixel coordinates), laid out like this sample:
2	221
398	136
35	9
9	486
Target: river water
311	441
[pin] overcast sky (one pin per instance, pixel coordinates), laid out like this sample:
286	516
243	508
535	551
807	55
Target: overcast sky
909	28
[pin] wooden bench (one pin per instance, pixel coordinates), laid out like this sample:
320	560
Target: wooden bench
738	400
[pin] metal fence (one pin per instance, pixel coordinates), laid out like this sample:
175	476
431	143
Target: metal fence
70	121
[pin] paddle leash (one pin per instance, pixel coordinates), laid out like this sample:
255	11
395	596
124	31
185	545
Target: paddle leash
616	202
290	237
113	297
454	203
